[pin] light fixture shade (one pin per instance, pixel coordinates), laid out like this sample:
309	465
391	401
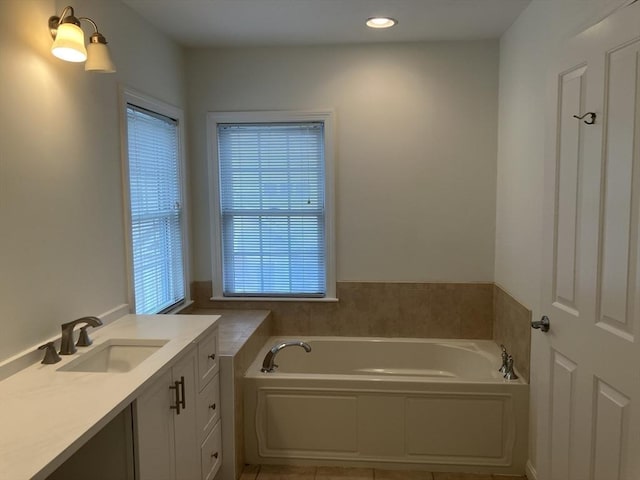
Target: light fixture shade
69	43
99	59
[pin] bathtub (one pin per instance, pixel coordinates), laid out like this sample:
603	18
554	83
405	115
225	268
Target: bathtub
431	404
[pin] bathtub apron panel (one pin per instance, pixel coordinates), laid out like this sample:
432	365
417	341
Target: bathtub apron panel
442	422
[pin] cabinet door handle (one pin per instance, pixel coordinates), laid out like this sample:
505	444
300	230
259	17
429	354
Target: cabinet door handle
178	386
175	388
214	455
212	406
212	356
184	400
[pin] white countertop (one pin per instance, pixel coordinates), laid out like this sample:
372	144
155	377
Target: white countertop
46	415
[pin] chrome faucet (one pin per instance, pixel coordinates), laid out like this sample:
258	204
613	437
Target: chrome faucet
509	374
268	364
66	341
505	356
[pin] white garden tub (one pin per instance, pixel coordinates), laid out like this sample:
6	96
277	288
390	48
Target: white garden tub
417	403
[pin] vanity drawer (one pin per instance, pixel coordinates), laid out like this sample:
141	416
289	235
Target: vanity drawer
208	358
208	407
211	454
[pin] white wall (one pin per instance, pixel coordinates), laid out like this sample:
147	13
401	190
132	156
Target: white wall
416	138
61	214
527	52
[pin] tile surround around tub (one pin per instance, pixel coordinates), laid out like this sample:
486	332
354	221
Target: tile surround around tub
512	327
422	310
434	310
419	310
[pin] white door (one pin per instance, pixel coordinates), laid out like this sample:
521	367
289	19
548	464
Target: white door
588	403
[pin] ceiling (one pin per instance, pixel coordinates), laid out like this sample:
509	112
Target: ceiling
202	23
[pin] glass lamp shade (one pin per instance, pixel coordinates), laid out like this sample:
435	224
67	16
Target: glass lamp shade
99	59
69	43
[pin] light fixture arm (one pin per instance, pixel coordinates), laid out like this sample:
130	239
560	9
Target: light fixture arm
67	16
95	27
96	36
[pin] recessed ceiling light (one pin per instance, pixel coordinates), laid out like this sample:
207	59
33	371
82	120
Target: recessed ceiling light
381	22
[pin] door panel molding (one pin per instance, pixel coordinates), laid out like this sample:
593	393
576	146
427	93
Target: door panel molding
571	97
618	215
610	410
563	373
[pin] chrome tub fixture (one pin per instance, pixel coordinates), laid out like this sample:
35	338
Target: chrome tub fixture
268	365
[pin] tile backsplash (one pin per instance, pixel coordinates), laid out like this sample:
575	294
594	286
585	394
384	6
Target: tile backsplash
435	310
512	327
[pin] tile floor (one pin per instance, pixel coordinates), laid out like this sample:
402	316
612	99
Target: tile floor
272	472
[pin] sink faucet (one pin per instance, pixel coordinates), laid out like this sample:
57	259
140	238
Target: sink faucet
268	365
66	342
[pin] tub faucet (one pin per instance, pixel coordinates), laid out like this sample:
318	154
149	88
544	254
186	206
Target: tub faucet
268	364
66	342
509	374
505	356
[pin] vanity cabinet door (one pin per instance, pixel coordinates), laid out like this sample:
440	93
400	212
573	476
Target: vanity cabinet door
211	454
155	439
187	446
170	439
167	436
208	358
208	407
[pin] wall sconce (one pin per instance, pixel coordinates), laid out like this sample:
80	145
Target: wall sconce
69	45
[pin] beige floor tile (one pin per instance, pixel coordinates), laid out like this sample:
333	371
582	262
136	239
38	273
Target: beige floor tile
344	473
462	476
250	472
284	472
402	475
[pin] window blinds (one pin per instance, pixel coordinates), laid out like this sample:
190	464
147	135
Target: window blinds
272	209
156	210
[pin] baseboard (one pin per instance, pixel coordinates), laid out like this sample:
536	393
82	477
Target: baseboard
530	471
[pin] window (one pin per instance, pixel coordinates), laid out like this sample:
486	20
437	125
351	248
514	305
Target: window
156	212
273	206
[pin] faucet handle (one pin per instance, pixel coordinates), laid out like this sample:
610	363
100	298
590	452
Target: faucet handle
83	337
509	374
50	354
505	356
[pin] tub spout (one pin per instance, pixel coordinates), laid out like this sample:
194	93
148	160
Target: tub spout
268	365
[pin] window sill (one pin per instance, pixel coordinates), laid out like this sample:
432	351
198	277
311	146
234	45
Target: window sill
274	299
180	308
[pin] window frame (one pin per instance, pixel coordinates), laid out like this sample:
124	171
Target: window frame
253	117
129	96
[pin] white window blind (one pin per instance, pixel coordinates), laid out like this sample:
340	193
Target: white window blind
272	184
156	210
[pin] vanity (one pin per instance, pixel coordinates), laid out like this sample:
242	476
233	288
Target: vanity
157	375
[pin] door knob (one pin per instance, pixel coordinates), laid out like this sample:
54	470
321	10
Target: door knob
542	324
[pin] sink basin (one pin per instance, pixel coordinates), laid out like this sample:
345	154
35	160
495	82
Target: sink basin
115	356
